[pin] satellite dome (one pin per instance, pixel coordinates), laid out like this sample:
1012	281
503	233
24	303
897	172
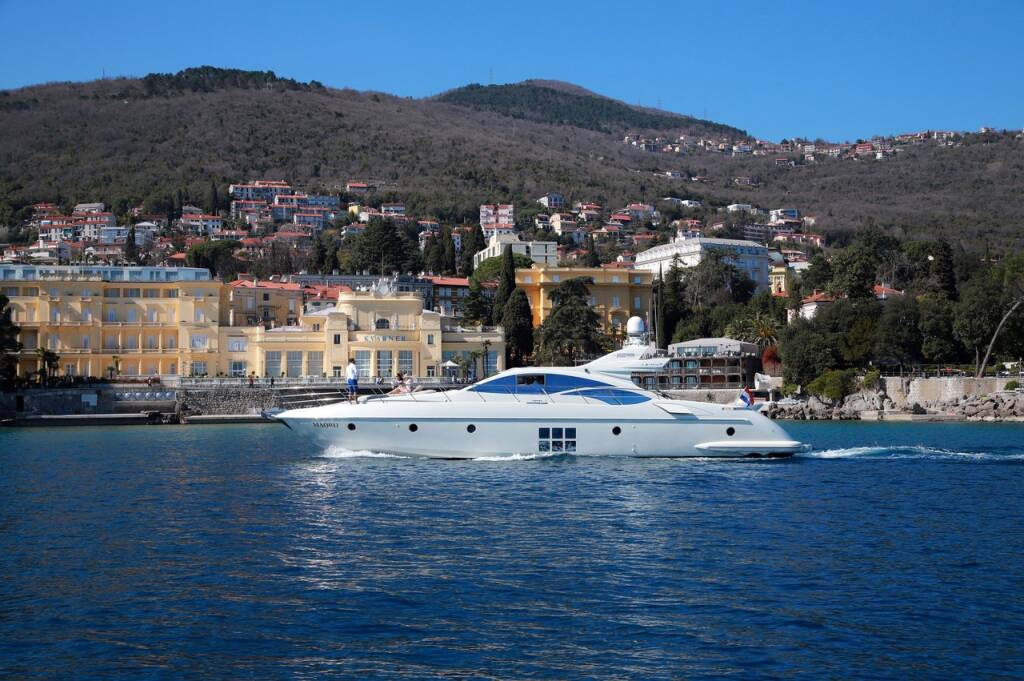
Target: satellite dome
635	326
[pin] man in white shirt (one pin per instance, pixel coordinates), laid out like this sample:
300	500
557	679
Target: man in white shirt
352	374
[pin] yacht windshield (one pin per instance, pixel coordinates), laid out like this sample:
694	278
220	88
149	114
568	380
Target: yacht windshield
536	383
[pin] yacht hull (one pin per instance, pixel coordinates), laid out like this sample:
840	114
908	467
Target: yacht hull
430	429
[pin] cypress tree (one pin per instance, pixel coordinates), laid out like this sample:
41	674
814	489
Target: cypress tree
131	250
517	323
9	345
592	258
506	284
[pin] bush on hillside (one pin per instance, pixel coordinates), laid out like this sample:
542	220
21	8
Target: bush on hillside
833	385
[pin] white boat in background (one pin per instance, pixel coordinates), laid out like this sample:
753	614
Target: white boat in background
591	410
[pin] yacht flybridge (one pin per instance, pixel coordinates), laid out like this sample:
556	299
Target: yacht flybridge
593	409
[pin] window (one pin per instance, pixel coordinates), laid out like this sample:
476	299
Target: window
151	342
237	367
111	314
131	313
170	343
491	362
131	343
10	291
53	293
430	339
250	303
112	293
272	359
86	342
556	277
316	327
54	313
199	315
151	293
52	341
110	343
615	279
384	364
382	324
616	301
363	363
171	293
132	293
556	439
266	297
405	362
199	341
431	371
151	315
636	303
294	363
337	339
291	305
171	315
237	345
199	368
336	371
314	363
636	279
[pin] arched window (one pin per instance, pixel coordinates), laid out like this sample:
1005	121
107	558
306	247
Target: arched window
382	324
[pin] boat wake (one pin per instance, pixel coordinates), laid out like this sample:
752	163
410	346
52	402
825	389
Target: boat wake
913	452
335	452
519	457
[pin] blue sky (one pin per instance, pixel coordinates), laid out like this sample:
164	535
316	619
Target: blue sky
835	69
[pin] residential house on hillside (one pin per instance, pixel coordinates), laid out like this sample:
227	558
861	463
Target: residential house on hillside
552	200
497	219
543	252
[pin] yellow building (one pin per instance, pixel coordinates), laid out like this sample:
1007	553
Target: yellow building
616	294
779	279
385	331
103	320
266	303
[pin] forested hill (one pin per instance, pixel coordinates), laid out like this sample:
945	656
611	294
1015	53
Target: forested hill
126	141
564	104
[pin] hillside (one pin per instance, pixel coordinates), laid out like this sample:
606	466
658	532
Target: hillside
124	141
565	104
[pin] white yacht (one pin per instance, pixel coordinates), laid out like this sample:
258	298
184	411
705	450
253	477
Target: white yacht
593	409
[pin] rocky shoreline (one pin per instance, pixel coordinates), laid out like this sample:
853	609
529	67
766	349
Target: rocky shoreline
876	405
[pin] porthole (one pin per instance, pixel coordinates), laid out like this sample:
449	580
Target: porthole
351	426
413	427
730	431
471	428
616	430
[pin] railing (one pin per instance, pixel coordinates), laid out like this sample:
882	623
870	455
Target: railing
597	396
311	381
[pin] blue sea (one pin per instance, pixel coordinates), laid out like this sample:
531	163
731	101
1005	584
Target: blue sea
892	551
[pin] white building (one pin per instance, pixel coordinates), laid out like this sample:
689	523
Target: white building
747	256
552	200
200	223
497	218
541	252
739	208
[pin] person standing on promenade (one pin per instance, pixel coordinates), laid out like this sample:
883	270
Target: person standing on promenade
352	376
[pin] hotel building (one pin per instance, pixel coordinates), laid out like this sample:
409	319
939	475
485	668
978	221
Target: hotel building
616	294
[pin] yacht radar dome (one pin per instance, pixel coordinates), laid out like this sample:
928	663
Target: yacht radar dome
635	327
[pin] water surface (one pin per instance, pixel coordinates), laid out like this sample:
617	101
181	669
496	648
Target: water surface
892	551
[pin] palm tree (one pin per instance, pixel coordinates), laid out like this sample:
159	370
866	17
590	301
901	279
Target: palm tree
757	328
49	362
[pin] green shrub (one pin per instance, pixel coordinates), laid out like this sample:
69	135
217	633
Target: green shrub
871	379
1012	385
834	384
788	389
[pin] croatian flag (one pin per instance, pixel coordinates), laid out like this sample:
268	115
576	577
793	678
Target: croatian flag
745	398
